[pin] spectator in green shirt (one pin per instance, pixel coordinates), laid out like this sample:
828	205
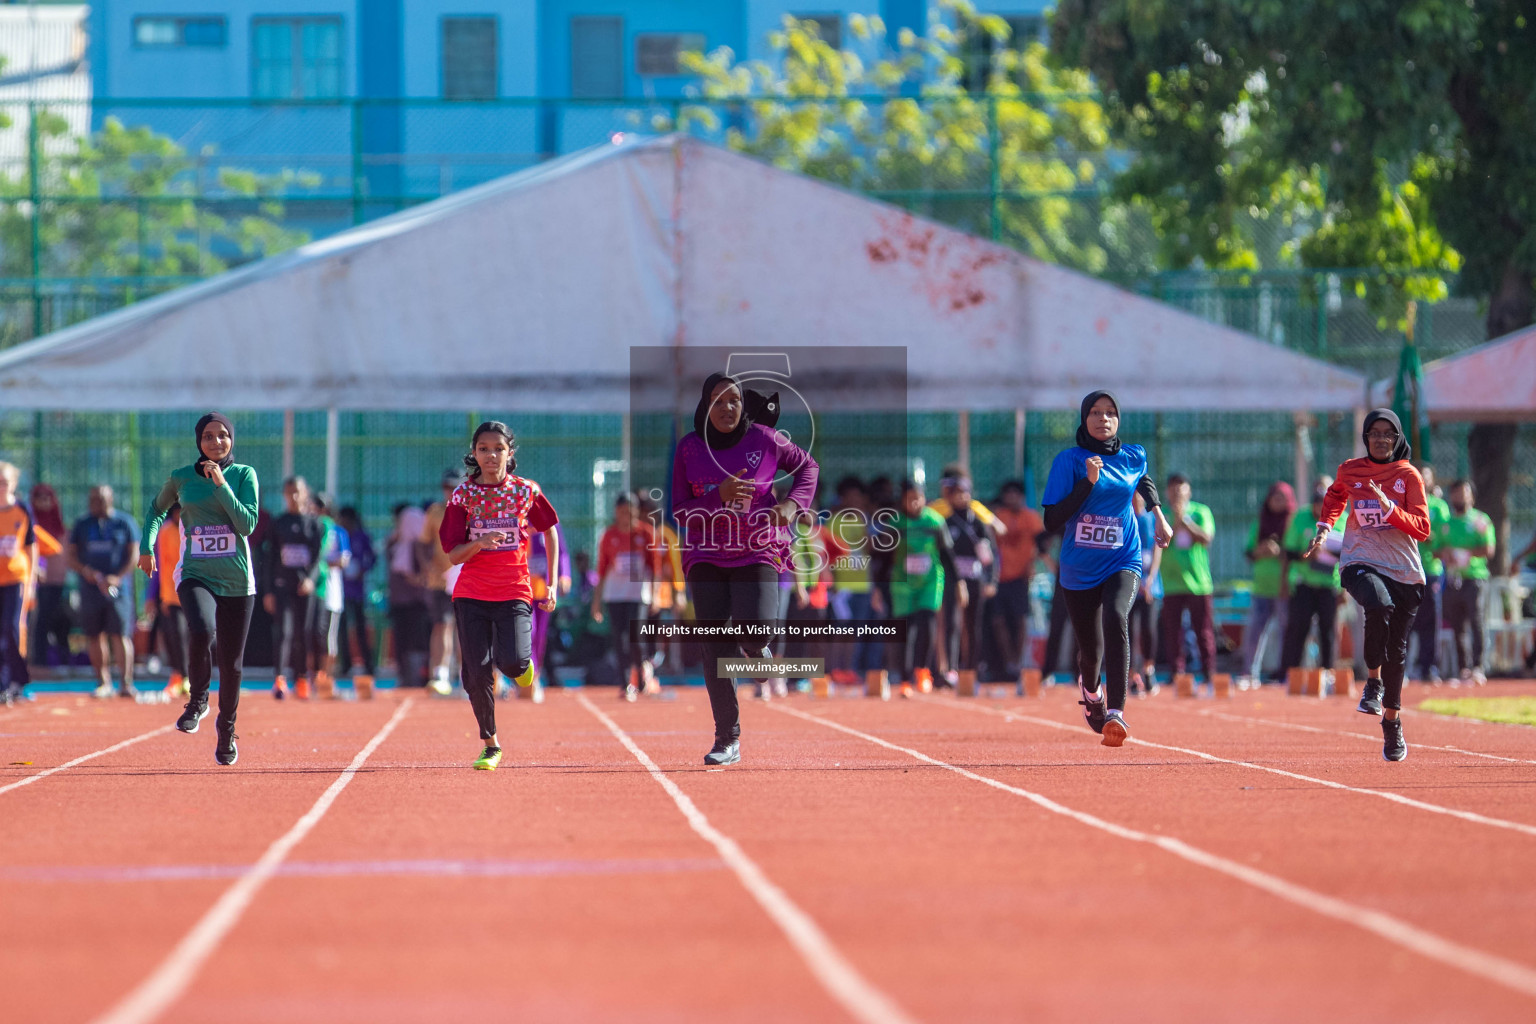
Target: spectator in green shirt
1268	594
1466	543
1186	573
1426	625
1313	585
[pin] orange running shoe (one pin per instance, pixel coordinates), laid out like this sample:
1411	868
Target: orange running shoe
301	688
924	681
906	690
279	688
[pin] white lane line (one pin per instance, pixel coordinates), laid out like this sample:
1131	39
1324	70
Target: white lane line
840	978
1256	720
165	986
114	748
1512	975
1452	812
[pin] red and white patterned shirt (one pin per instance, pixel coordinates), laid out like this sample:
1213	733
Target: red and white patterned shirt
516	507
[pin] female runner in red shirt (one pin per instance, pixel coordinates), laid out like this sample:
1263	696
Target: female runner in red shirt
486	528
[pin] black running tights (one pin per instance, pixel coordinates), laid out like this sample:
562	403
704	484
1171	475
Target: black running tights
1390	607
216	630
1101	619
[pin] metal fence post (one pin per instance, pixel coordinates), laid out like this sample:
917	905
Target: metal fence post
995	176
357	160
34	167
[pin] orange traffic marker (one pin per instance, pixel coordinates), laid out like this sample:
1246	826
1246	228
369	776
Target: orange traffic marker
1295	681
821	687
1344	682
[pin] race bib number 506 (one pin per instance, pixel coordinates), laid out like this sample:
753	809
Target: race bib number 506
1102	532
211	542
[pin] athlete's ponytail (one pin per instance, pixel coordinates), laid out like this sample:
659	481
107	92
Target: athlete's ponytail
491	427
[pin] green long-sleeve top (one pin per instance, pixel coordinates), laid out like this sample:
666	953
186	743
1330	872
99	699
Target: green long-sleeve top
215	522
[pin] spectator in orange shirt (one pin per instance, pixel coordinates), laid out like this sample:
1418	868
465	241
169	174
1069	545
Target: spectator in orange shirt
1018	547
18	568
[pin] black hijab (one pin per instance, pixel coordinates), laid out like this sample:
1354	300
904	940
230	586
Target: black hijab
1087	440
755	408
216	417
1402	452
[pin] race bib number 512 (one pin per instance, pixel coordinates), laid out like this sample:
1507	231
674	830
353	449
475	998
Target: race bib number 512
1369	515
1102	532
211	542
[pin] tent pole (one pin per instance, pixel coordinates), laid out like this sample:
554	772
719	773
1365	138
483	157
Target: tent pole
332	450
287	443
1303	466
627	447
964	439
1018	444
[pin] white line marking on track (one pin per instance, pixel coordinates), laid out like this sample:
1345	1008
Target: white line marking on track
840	978
1256	720
1472	816
165	986
114	748
1512	975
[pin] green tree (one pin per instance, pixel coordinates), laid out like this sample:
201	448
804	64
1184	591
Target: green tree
127	202
1409	120
919	124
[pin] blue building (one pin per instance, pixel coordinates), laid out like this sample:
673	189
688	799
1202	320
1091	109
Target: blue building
272	71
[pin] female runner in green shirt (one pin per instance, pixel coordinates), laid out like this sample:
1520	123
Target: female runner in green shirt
214	579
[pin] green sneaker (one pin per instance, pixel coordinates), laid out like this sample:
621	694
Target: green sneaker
526	679
489	758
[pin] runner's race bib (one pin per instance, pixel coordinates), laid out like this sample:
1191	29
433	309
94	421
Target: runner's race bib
211	542
742	504
918	565
1369	516
630	566
294	556
506	525
968	568
1104	533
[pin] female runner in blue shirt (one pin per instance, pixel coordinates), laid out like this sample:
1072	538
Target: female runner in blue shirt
1088	499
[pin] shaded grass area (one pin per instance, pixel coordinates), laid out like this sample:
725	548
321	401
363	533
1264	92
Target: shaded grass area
1511	710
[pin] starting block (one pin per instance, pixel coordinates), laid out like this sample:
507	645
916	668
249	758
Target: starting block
1184	684
1314	684
1295	681
1221	685
363	687
1344	682
877	683
1029	682
965	684
821	687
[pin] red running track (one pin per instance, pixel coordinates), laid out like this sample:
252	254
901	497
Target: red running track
931	860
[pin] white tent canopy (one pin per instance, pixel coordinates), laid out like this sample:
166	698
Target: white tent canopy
1493	382
526	294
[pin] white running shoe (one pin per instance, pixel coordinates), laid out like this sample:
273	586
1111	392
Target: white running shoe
441	687
104	691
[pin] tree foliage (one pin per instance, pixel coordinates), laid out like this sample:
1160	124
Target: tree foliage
127	202
918	124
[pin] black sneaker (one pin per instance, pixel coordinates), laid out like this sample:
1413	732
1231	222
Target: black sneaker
1093	708
1370	700
225	751
724	752
194	712
1393	747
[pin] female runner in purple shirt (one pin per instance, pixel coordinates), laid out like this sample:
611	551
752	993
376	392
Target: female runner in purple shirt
734	536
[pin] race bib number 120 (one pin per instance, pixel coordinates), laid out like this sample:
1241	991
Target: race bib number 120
1101	532
211	542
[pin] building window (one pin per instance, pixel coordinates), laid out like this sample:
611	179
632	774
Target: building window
657	53
828	26
165	33
597	58
296	58
469	58
979	47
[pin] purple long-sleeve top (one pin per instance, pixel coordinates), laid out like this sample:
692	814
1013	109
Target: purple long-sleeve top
728	537
538	557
